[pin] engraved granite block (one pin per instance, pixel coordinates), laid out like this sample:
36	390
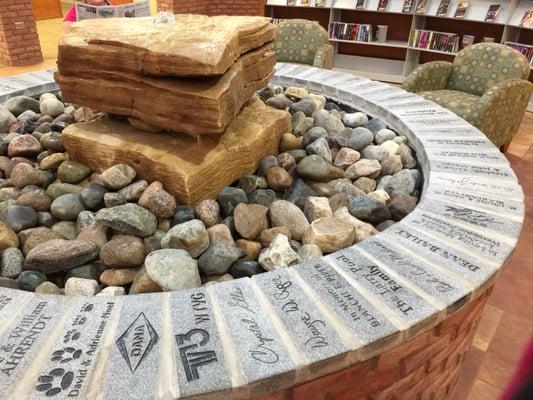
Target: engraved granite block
23	339
481	170
438	142
450	291
408	306
346	302
72	359
491	187
511	208
475	241
10	302
258	347
134	364
477	219
491	156
200	359
309	329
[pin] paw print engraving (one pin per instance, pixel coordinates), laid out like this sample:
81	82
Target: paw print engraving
71	335
66	355
55	382
88	307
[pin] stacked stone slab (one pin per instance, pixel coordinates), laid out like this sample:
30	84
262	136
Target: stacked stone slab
191	76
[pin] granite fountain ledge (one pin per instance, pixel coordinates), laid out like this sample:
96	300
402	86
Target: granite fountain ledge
249	337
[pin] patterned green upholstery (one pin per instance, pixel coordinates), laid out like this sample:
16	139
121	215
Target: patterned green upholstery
486	85
304	42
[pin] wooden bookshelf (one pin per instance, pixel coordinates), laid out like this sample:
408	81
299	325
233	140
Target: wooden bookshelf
394	59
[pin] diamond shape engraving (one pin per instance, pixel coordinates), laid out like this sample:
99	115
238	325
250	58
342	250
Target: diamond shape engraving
137	341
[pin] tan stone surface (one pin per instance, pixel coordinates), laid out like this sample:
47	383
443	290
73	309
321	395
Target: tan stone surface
192	106
196	45
189	169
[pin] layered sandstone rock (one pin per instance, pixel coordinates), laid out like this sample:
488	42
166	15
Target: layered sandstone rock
189	169
193	106
195	45
192	76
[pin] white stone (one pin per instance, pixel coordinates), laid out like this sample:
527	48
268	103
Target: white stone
112	291
172	269
278	255
81	287
391	146
383	135
330	234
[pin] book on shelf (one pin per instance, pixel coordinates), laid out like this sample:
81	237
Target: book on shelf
443	8
421	6
460	11
492	13
291	2
360	4
351	32
304	3
408	6
527	19
467	40
382	5
320	3
438	41
526	50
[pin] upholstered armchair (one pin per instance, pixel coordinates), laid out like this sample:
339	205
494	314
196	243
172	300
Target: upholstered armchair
485	85
304	42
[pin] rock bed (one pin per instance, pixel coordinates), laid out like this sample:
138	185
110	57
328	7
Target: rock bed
340	178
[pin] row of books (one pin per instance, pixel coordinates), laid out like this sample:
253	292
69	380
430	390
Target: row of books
355	32
526	50
307	3
430	40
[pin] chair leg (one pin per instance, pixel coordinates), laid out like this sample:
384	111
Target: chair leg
505	147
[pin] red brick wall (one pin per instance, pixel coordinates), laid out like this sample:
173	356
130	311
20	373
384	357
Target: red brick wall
19	41
213	7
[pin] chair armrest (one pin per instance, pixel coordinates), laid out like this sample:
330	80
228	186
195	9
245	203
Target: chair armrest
504	106
324	57
430	76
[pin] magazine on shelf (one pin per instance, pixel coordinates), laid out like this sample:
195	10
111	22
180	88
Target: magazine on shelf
466	41
527	19
382	5
304	3
492	13
408	6
460	11
131	10
320	3
360	4
421	6
443	8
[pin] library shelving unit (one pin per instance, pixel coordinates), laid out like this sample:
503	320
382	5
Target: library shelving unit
396	57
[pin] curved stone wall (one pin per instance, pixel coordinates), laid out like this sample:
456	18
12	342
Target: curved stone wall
250	337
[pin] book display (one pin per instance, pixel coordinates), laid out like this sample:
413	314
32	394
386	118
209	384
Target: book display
461	9
407	6
439	41
421	7
527	19
387	39
527	51
354	32
443	8
492	13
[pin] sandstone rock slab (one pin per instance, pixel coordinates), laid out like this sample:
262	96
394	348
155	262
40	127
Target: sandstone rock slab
193	106
190	170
